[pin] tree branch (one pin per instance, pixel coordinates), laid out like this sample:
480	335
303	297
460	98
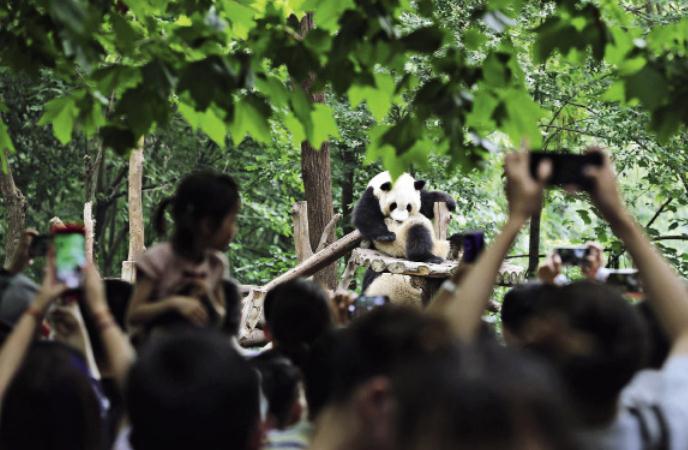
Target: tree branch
659	211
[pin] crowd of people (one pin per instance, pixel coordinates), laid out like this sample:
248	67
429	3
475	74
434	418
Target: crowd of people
158	365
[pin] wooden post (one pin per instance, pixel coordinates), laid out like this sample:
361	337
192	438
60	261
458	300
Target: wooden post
441	222
302	240
348	274
253	303
89	227
136	227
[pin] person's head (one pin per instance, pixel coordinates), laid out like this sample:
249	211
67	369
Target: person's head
595	340
659	344
51	404
16	294
279	380
204	210
594	261
366	356
192	390
296	314
479	398
519	306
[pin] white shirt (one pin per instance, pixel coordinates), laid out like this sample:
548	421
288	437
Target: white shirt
668	390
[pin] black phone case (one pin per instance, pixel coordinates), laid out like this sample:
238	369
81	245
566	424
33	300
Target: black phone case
567	168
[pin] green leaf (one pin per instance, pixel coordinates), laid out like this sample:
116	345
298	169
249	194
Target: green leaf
117	78
214	127
241	16
126	35
327	12
615	93
631	66
61	113
648	86
249	119
424	40
324	125
298	134
273	88
523	115
474	38
378	98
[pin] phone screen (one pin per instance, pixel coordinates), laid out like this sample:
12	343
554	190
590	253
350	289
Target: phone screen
567	168
70	258
473	245
573	256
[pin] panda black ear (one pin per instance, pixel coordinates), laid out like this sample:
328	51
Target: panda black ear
419	184
386	186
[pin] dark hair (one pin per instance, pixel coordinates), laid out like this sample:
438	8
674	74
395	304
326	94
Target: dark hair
520	303
192	390
482	397
318	373
659	344
50	404
232	307
595	340
279	380
297	313
380	342
200	196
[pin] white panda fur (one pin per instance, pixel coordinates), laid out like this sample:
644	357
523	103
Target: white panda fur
397	247
403	193
397	287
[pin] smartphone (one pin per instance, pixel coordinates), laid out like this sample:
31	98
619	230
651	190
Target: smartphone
573	256
364	304
473	245
627	280
39	245
567	168
70	255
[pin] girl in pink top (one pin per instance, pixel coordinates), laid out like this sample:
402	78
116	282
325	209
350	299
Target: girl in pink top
180	281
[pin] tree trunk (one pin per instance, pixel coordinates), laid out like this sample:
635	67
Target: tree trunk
92	166
15	207
317	183
534	244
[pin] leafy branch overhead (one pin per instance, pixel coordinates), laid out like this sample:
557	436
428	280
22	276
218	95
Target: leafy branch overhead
239	67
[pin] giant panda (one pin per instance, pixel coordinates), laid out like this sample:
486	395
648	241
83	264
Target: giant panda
396	218
385	207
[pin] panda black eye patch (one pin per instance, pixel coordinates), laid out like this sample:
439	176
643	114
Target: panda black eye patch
393	206
408	208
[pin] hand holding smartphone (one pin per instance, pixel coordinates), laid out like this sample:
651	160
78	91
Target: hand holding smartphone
70	255
567	168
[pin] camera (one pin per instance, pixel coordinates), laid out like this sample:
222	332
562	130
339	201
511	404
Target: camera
573	256
364	304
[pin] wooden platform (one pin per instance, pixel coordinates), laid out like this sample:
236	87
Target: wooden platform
509	274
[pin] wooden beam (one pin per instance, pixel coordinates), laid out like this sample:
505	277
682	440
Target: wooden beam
319	260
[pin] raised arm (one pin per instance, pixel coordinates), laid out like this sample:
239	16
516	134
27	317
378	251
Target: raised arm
465	305
665	290
119	351
17	343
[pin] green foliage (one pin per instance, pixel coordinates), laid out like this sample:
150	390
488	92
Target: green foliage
426	86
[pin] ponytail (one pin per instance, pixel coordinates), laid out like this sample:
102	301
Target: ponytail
159	218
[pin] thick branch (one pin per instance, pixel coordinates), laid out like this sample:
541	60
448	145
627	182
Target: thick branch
328	235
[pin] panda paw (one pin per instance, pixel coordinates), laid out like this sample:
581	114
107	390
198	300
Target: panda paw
387	237
435	260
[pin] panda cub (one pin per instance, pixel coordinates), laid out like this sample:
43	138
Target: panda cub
396	218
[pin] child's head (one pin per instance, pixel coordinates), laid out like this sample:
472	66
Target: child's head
279	380
204	210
